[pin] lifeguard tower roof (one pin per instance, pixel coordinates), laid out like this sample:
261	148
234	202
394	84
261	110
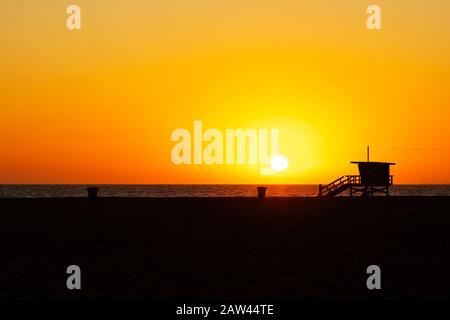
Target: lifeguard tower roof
389	163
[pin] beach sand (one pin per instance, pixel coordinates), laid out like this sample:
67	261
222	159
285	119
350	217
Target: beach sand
224	248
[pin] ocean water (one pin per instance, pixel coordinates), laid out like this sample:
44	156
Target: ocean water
63	191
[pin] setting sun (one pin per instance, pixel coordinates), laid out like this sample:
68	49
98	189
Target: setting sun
279	163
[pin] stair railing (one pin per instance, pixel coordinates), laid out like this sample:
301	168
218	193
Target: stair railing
324	190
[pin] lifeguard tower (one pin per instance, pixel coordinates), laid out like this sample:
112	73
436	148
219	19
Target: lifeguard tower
374	177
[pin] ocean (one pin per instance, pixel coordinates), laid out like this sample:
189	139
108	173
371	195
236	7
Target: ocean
64	191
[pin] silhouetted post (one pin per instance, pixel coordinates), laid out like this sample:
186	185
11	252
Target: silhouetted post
92	192
320	190
261	192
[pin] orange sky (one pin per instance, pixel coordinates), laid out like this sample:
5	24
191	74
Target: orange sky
98	105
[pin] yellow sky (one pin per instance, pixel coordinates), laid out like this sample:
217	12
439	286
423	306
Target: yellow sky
98	105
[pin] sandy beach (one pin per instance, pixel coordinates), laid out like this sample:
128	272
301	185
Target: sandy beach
225	248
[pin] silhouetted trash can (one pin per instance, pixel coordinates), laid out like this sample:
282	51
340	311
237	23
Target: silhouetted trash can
261	192
92	192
